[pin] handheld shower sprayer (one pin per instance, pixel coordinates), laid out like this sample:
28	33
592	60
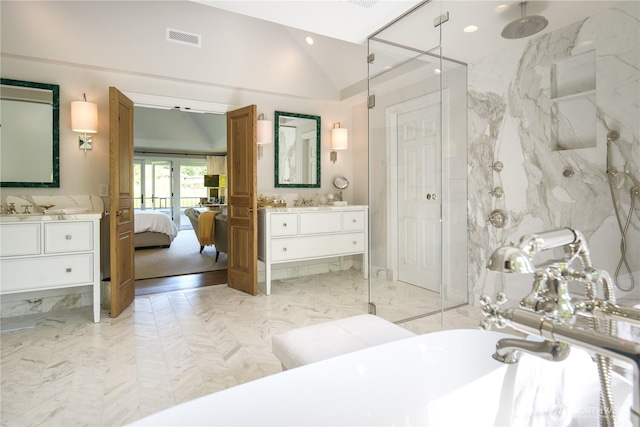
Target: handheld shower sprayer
634	192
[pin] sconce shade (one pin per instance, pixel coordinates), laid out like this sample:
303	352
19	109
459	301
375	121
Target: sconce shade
264	132
338	139
84	117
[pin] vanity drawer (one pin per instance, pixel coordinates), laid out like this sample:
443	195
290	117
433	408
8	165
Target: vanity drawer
64	237
23	274
284	224
20	239
353	220
320	222
290	249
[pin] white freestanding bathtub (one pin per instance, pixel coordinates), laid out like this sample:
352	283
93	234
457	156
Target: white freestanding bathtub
445	378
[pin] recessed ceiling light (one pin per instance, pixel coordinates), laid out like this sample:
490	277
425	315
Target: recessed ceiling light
437	71
309	40
501	8
470	29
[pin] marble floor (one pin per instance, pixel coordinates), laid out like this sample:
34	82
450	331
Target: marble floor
60	369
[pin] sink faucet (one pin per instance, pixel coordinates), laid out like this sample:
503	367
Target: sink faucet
11	209
549	311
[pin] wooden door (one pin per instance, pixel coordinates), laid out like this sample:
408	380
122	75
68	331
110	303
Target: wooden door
121	201
242	217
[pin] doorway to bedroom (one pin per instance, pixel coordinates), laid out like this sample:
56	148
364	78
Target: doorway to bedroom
164	186
169	185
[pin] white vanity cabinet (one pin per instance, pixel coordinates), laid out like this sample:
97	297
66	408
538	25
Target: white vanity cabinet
50	252
300	234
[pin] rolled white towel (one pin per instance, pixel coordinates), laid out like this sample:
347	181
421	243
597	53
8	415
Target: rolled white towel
560	394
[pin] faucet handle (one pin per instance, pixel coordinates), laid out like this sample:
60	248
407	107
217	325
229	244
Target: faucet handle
491	311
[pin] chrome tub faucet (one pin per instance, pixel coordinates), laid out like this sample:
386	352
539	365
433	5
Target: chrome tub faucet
508	350
549	311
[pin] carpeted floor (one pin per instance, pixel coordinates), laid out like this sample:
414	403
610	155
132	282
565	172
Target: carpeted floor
182	257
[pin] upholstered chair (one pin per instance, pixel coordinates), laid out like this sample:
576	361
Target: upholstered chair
220	231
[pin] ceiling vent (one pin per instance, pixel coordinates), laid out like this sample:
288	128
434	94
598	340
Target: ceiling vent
367	4
183	37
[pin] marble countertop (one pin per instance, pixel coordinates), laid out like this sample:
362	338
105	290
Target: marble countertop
314	208
52	208
40	216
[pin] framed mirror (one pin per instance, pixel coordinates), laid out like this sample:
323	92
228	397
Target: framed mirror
30	127
297	150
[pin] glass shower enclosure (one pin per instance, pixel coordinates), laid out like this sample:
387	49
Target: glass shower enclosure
417	169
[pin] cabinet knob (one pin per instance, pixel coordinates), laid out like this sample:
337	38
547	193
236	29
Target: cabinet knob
284	224
68	237
284	249
355	243
353	220
68	269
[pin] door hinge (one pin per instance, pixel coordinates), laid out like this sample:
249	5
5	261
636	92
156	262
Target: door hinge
441	19
372	308
371	57
371	101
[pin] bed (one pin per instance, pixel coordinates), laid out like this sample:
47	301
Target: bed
153	229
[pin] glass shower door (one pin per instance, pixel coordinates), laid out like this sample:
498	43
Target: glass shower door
405	158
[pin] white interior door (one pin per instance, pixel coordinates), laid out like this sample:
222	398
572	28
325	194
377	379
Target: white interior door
418	197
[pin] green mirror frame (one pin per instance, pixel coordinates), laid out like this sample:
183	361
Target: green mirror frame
277	172
53	145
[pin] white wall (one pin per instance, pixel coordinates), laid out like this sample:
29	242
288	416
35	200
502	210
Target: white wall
82	173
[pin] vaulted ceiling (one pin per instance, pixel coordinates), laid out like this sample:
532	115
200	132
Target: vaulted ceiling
258	45
345	23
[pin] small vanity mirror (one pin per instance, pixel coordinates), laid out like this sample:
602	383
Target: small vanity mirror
29	120
297	150
340	183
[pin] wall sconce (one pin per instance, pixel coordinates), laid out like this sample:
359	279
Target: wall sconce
264	133
338	140
84	118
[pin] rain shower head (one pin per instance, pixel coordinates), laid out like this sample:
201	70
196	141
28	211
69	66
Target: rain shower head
525	26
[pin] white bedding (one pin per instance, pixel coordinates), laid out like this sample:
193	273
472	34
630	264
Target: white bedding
154	221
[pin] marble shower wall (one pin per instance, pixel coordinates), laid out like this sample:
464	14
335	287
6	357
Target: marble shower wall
510	101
